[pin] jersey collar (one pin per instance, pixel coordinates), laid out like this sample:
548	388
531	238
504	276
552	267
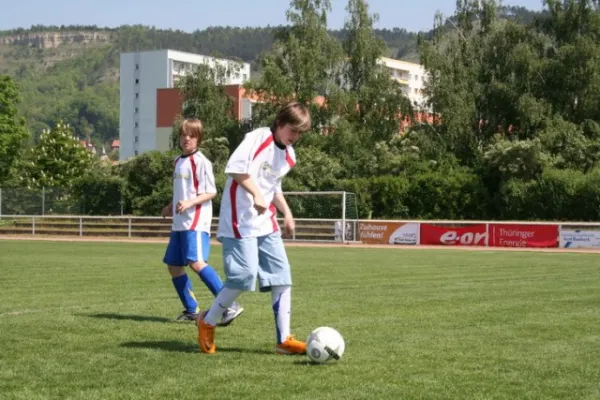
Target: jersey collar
187	155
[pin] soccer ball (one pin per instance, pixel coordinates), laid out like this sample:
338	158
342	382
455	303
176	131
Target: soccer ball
325	345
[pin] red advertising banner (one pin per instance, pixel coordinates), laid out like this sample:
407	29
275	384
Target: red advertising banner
473	235
517	235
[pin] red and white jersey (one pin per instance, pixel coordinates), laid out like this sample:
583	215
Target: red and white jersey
193	176
267	164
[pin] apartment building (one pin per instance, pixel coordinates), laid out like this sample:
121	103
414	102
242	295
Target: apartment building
142	74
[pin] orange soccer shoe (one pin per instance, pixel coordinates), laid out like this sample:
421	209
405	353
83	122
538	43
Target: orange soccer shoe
206	336
291	346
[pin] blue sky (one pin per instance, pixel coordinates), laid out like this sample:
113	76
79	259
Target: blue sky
189	15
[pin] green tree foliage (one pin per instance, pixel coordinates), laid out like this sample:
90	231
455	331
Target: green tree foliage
57	160
205	98
149	180
12	128
100	192
295	70
378	99
516	95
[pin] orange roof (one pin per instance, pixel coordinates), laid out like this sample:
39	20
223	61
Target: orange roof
116	143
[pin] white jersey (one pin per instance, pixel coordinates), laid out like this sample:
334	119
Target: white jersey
267	164
193	176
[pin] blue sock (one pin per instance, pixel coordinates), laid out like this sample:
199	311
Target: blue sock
184	289
211	279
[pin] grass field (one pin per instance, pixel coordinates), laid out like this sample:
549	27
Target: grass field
95	321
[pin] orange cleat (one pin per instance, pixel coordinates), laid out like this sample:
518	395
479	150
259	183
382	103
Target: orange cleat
291	346
206	336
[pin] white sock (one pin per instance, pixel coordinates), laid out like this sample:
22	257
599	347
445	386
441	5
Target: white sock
222	302
281	297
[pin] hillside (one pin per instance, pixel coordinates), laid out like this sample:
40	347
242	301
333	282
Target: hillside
71	72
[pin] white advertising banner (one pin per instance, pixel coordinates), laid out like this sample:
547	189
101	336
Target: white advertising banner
383	232
576	238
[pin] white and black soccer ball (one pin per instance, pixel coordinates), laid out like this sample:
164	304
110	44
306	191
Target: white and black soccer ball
325	345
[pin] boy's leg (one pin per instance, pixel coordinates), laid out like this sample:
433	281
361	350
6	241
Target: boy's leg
240	259
183	286
275	275
199	243
197	251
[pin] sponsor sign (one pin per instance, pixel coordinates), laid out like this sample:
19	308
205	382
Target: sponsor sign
388	232
576	238
521	235
473	235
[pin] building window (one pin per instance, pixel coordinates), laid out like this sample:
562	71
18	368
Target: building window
137	81
135	153
135	139
137	95
135	124
137	66
245	77
136	110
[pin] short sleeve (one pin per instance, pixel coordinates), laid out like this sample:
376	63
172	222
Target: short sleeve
206	178
278	187
240	160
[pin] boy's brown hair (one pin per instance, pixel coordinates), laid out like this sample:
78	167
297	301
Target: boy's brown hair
296	114
193	127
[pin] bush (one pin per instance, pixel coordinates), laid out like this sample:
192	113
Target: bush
99	193
148	182
557	195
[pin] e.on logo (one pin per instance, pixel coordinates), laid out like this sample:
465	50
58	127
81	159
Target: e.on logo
465	238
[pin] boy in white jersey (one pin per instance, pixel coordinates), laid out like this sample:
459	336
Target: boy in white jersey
248	230
191	208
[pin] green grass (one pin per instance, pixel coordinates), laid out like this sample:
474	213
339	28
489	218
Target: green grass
94	321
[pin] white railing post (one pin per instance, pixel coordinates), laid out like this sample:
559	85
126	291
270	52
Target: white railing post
129	228
344	217
43	200
0	203
487	235
560	228
33	225
80	226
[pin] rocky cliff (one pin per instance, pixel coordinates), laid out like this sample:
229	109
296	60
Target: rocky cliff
48	40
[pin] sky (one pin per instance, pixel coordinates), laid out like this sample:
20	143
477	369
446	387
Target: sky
189	15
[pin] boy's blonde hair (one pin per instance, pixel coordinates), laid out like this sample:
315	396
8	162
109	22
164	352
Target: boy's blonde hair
296	114
193	127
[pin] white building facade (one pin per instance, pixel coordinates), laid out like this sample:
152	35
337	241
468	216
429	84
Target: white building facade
411	77
141	74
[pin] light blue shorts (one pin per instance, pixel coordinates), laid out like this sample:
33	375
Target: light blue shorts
187	247
248	258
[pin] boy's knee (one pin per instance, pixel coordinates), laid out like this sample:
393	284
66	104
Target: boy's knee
176	271
197	266
240	278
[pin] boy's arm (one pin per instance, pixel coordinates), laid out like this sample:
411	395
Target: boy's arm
289	225
245	181
167	210
238	167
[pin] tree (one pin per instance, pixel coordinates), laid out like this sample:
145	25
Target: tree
362	47
304	63
12	128
57	160
379	100
205	97
148	182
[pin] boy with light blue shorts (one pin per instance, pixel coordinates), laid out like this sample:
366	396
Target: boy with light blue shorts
248	229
